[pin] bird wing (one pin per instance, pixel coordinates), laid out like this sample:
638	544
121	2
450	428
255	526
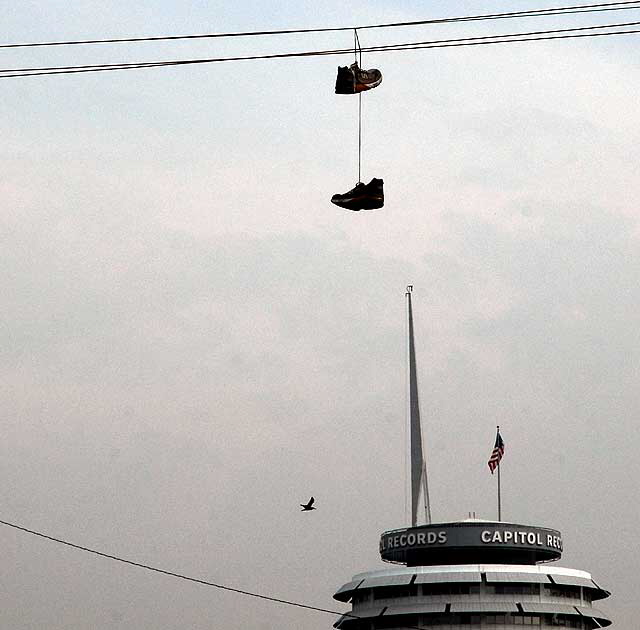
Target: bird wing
311	500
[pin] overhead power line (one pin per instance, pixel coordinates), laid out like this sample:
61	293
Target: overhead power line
181	576
571	33
566	10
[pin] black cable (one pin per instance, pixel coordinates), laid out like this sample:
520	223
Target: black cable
568	10
158	64
181	576
381	48
169	573
477	38
446	43
359	137
358	49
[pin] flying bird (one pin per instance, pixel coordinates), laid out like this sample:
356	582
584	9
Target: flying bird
309	506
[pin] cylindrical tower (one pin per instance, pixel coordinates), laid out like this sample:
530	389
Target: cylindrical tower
470	575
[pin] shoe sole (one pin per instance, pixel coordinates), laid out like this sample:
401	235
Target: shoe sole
363	202
361	87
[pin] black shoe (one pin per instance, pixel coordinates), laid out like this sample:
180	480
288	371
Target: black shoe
352	80
365	79
362	197
345	81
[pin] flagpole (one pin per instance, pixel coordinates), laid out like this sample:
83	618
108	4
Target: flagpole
499	499
499	489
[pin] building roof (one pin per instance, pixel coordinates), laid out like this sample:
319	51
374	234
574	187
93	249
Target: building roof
471	574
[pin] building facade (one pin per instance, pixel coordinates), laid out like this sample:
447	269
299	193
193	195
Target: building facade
472	574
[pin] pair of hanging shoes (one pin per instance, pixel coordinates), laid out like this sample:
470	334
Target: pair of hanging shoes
353	80
362	197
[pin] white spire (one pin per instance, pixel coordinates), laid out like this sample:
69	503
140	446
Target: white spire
418	466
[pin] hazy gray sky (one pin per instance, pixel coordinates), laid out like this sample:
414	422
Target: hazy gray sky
195	340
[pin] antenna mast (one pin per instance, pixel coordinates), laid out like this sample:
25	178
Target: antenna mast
418	465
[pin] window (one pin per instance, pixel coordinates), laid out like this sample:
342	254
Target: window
499	620
392	592
557	590
450	589
515	589
360	596
525	620
565	622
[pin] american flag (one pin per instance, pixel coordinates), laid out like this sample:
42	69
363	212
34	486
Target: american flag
497	453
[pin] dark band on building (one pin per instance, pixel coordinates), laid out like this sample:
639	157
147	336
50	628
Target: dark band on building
509	543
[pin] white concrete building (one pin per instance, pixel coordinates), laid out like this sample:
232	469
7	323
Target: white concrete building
472	575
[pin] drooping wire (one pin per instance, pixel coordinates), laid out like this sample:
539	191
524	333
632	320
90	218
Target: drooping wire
359	137
499	39
446	43
355	45
169	573
566	10
358	49
147	567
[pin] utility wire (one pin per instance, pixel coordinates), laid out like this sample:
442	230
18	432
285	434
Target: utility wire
169	573
444	43
358	48
147	567
566	10
440	43
381	48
